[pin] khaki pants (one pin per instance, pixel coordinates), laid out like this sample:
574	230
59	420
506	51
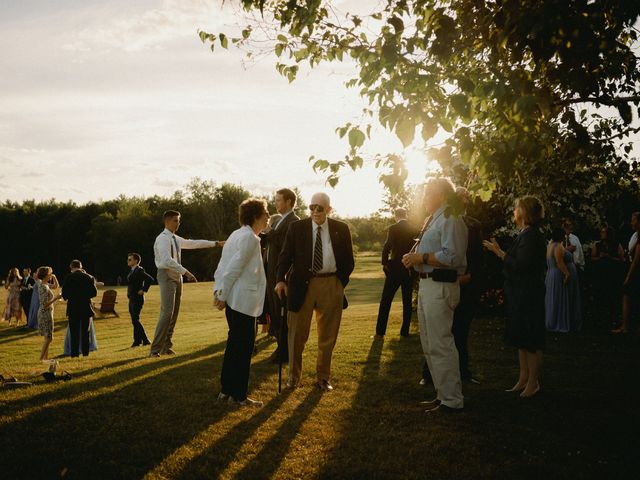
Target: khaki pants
324	296
437	302
170	283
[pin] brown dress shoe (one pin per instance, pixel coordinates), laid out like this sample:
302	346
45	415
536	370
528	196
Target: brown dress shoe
324	386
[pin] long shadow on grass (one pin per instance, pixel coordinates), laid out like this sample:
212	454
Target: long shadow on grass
265	464
75	388
369	444
122	434
217	457
14	334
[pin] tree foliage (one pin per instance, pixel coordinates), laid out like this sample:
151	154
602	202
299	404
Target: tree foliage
534	95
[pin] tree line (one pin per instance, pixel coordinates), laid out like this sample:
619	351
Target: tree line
101	234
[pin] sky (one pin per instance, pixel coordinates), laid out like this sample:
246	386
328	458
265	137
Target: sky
103	98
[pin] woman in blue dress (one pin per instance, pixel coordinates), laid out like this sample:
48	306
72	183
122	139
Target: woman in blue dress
32	318
562	298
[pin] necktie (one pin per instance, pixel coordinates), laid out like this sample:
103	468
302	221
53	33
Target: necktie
317	252
177	249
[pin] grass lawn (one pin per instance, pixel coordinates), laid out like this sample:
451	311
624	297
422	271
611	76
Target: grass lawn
127	416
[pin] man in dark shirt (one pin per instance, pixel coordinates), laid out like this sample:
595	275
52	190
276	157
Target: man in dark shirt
138	283
26	291
400	238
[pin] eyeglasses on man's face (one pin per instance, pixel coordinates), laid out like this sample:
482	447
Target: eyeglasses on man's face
316	208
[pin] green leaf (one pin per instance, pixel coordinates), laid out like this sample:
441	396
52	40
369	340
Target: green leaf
333	181
246	32
398	24
203	36
223	41
406	130
278	49
356	137
429	128
282	38
624	109
460	105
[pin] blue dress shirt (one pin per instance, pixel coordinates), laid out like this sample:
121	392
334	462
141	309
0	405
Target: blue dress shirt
445	238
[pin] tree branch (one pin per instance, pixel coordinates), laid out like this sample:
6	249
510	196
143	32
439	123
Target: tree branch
602	100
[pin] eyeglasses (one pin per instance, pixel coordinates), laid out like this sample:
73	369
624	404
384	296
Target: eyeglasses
316	208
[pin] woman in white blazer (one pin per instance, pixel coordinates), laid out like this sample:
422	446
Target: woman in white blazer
239	288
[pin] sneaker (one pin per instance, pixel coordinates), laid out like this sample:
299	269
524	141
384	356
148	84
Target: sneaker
431	404
169	352
247	402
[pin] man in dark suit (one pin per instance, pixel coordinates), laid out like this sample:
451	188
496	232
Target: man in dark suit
313	269
26	291
138	282
78	289
400	238
272	240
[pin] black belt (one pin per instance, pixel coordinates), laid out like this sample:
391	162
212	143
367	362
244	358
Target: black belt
321	275
441	275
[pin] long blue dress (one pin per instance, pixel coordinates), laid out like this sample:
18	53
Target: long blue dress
32	319
562	301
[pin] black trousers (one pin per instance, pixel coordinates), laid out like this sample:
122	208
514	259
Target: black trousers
391	284
237	355
79	330
25	302
135	307
462	318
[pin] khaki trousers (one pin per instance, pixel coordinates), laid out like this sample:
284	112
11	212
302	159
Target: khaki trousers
170	283
324	297
437	302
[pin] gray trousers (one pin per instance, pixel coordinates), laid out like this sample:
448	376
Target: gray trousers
170	284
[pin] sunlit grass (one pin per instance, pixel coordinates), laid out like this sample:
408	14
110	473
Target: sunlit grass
126	416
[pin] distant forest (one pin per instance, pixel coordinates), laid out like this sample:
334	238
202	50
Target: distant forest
101	234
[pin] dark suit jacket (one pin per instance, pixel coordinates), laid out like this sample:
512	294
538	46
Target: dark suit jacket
138	280
275	240
475	255
295	261
78	289
400	238
27	292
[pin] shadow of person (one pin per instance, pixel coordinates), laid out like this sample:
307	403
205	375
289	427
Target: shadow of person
123	432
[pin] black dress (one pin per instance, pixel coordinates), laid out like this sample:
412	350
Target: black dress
524	271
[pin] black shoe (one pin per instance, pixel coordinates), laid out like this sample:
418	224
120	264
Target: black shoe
146	342
135	344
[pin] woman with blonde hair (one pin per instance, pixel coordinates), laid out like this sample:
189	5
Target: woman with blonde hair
524	289
45	311
12	308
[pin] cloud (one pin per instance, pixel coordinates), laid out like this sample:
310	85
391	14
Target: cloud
152	29
157	182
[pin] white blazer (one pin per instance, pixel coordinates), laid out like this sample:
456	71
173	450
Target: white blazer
239	279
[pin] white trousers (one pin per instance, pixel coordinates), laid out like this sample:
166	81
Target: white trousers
436	303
